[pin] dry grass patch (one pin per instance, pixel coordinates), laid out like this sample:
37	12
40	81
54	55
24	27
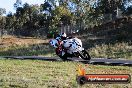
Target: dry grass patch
8	41
118	50
13	46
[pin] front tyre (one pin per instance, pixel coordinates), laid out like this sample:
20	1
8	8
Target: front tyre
84	55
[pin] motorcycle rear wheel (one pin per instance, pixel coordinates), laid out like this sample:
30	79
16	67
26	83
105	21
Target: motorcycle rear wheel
84	55
64	57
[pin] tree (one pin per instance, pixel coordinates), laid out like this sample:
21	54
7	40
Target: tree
128	11
46	6
2	11
110	6
18	4
2	21
10	22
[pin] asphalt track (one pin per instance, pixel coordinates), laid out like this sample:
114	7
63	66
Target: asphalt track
99	61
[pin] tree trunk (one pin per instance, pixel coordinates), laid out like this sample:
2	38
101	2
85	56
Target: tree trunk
1	35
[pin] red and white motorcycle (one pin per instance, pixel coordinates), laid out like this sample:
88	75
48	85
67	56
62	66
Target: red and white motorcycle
69	48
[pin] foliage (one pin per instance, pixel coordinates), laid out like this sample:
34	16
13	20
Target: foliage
38	20
2	11
17	4
128	11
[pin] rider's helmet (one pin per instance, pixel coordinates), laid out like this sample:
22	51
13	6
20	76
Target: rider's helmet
63	36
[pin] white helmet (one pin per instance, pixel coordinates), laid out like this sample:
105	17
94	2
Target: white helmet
63	35
54	43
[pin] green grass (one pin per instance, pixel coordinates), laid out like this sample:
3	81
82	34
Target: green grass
47	74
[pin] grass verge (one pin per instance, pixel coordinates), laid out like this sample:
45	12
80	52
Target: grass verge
36	49
117	50
48	74
103	48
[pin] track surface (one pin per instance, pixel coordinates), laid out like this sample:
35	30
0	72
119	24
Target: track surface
100	61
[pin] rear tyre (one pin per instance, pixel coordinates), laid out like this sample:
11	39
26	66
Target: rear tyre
64	57
84	55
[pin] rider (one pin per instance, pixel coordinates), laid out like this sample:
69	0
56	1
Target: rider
60	39
63	36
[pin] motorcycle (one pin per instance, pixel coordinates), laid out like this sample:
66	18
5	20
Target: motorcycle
69	48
